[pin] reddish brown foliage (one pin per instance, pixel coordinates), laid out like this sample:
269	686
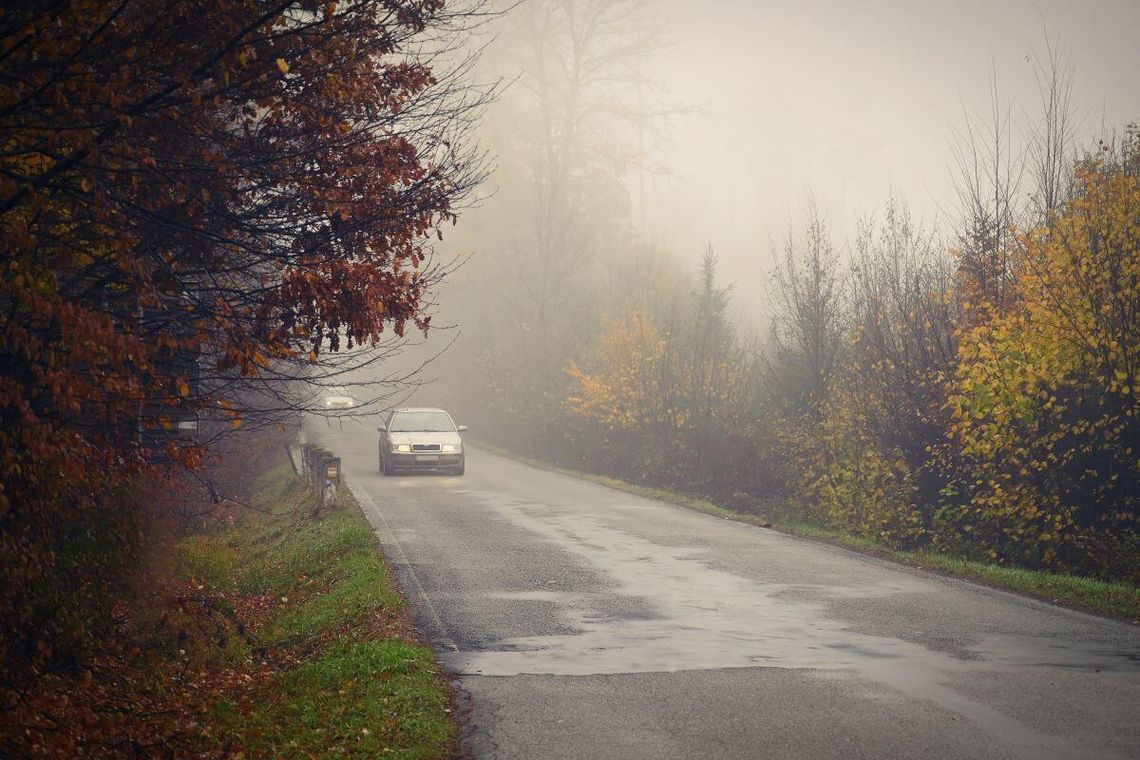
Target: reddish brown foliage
152	683
223	185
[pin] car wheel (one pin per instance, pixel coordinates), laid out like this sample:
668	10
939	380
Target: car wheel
459	470
385	468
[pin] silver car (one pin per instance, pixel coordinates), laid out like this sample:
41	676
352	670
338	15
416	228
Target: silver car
421	439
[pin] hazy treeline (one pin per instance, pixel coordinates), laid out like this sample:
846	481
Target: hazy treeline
972	388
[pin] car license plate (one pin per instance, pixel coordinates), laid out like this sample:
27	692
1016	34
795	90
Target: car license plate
427	458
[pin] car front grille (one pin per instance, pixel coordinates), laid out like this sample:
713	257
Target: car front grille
425	447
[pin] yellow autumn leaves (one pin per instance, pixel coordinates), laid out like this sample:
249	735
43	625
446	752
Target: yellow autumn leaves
1044	404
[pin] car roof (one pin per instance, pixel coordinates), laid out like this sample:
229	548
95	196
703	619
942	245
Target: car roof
419	409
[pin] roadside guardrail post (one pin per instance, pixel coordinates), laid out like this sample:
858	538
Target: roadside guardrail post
316	456
305	471
332	468
323	470
330	478
314	463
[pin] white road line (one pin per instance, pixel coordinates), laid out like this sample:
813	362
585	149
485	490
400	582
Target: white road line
366	500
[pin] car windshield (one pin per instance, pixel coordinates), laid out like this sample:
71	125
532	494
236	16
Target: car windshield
421	422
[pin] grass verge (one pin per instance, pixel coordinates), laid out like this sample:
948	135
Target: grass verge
1115	600
238	626
326	663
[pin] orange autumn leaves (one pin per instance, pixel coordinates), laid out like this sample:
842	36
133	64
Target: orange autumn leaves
628	388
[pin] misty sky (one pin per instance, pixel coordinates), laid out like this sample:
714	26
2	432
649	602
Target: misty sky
852	100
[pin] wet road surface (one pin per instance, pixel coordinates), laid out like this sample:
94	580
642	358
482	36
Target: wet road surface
584	622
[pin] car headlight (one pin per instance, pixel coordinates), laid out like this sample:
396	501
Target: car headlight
402	447
451	447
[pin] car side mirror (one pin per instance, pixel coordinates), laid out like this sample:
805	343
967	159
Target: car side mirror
462	428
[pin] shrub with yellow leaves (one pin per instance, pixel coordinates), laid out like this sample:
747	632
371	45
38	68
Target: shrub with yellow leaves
1045	409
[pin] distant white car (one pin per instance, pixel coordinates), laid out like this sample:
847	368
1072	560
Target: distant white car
337	398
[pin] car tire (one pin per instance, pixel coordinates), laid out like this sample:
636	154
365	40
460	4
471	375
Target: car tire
459	470
385	468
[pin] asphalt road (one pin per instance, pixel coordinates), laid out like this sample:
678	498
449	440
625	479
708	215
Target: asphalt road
584	622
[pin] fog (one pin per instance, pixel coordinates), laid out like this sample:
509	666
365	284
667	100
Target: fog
870	267
854	102
715	125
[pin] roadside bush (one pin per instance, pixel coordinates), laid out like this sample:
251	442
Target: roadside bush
1045	404
850	482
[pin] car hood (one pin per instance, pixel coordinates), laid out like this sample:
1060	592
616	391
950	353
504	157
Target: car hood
416	437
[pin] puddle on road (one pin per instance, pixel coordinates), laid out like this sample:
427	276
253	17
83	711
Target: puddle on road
703	618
